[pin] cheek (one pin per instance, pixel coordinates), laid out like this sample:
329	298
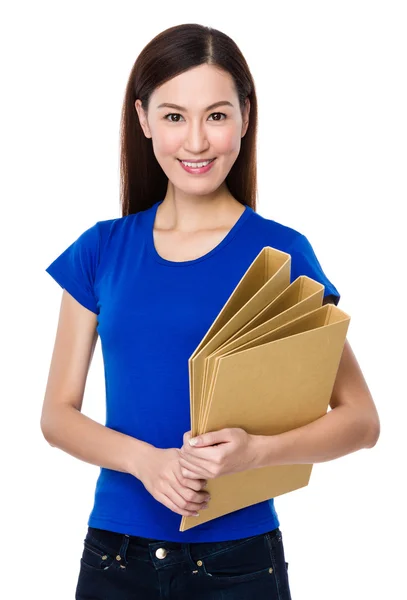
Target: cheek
163	141
226	142
166	141
166	146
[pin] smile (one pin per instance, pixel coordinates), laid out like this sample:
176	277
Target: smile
197	168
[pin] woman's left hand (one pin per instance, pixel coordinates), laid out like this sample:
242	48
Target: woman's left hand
218	453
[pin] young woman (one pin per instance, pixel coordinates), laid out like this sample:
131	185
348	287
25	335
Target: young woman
149	284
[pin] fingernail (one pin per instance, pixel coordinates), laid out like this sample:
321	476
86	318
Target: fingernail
195	514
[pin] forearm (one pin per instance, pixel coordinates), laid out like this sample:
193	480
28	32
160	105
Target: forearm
335	434
73	432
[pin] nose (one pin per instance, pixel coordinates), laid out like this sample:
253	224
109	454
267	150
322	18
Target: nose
196	140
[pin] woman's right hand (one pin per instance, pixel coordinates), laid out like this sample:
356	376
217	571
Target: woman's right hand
161	475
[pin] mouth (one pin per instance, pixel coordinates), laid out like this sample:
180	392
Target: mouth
209	160
197	167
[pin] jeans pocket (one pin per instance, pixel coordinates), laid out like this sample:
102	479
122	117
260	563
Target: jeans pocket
238	562
96	555
277	553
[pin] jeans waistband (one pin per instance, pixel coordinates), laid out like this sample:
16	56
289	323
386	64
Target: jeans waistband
114	538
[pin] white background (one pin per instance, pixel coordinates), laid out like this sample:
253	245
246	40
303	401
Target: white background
331	86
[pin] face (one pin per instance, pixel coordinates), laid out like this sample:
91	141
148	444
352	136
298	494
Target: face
193	131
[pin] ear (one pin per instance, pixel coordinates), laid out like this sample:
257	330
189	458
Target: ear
142	118
246	113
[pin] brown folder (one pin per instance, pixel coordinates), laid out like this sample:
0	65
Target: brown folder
302	296
270	360
266	277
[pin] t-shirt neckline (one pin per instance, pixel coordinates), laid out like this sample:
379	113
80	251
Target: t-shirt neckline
231	233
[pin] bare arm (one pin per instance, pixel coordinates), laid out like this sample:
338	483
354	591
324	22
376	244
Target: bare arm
62	423
352	424
65	427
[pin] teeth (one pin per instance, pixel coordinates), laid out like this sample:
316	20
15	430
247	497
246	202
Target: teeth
196	165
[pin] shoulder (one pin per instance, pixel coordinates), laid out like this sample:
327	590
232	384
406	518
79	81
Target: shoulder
304	258
279	235
112	227
111	232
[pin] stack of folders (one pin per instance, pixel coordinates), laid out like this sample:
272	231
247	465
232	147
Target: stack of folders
267	364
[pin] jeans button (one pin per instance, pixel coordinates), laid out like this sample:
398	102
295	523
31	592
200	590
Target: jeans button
161	553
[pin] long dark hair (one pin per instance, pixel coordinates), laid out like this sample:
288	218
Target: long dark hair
171	52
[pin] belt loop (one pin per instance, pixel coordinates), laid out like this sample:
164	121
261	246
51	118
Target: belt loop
122	557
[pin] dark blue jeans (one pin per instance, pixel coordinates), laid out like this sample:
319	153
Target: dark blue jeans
117	566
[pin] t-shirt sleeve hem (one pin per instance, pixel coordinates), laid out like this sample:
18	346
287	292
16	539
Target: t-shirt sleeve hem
311	266
73	288
331	291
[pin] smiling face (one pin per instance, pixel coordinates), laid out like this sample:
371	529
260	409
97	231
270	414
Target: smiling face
195	128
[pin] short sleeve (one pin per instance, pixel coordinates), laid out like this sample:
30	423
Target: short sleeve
75	268
305	262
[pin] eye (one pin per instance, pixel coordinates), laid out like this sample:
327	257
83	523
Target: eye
171	115
219	113
178	115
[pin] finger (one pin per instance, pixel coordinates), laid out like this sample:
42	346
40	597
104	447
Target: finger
210	438
186	437
207	453
180	498
197	471
197	463
194	483
172	506
190	475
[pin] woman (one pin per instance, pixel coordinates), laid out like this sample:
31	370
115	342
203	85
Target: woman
150	283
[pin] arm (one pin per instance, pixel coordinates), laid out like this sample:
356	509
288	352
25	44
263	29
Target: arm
62	423
352	424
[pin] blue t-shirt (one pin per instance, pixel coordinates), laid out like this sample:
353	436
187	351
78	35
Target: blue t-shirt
151	315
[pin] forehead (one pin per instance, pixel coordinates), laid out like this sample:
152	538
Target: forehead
196	88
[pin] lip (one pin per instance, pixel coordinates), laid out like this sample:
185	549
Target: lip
195	170
196	161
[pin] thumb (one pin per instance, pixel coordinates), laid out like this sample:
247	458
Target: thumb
209	439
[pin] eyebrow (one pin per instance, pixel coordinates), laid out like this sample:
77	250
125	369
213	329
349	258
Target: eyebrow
216	104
